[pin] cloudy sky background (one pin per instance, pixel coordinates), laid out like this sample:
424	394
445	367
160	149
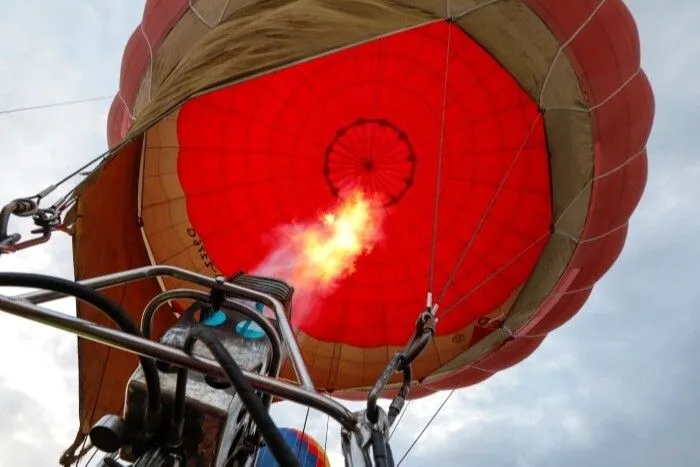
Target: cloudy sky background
618	386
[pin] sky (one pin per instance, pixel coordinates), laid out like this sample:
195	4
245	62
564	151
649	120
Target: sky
617	386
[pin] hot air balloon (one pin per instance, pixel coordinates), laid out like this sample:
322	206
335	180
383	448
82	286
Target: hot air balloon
307	450
479	156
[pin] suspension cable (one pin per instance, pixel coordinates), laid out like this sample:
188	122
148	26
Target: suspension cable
82	168
48	219
437	412
303	431
54	104
65	200
398	421
42	194
84	449
94	453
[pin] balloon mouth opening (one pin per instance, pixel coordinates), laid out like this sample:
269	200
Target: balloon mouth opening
371	155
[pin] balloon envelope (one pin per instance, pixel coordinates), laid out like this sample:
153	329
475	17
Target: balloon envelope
503	150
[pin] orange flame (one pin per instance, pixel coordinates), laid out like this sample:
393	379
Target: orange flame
330	249
313	257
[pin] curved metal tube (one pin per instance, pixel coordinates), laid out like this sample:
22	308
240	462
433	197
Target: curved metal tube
111	280
19	207
157	302
260	320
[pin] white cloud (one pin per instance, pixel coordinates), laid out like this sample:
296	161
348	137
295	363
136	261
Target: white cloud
49	52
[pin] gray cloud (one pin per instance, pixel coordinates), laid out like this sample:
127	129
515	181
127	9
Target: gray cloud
617	386
25	430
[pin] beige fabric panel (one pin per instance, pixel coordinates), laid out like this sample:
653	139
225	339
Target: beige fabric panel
260	37
205	15
165	226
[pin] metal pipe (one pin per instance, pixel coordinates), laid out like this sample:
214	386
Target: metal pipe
159	300
5	214
260	320
7	240
145	347
214	283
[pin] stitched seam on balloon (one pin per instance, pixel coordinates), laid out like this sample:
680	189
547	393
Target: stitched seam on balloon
436	205
198	15
218	20
601	236
588	185
223	10
472	9
604	101
618	90
142	228
565	45
126	106
150	61
621	166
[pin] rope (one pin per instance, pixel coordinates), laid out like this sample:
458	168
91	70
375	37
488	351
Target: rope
425	427
94	453
78	171
303	431
65	200
396	424
55	104
433	248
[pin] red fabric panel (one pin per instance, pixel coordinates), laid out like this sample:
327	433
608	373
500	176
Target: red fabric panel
511	353
463	377
119	123
615	196
605	51
596	257
252	159
417	391
136	58
622	125
159	17
567	306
